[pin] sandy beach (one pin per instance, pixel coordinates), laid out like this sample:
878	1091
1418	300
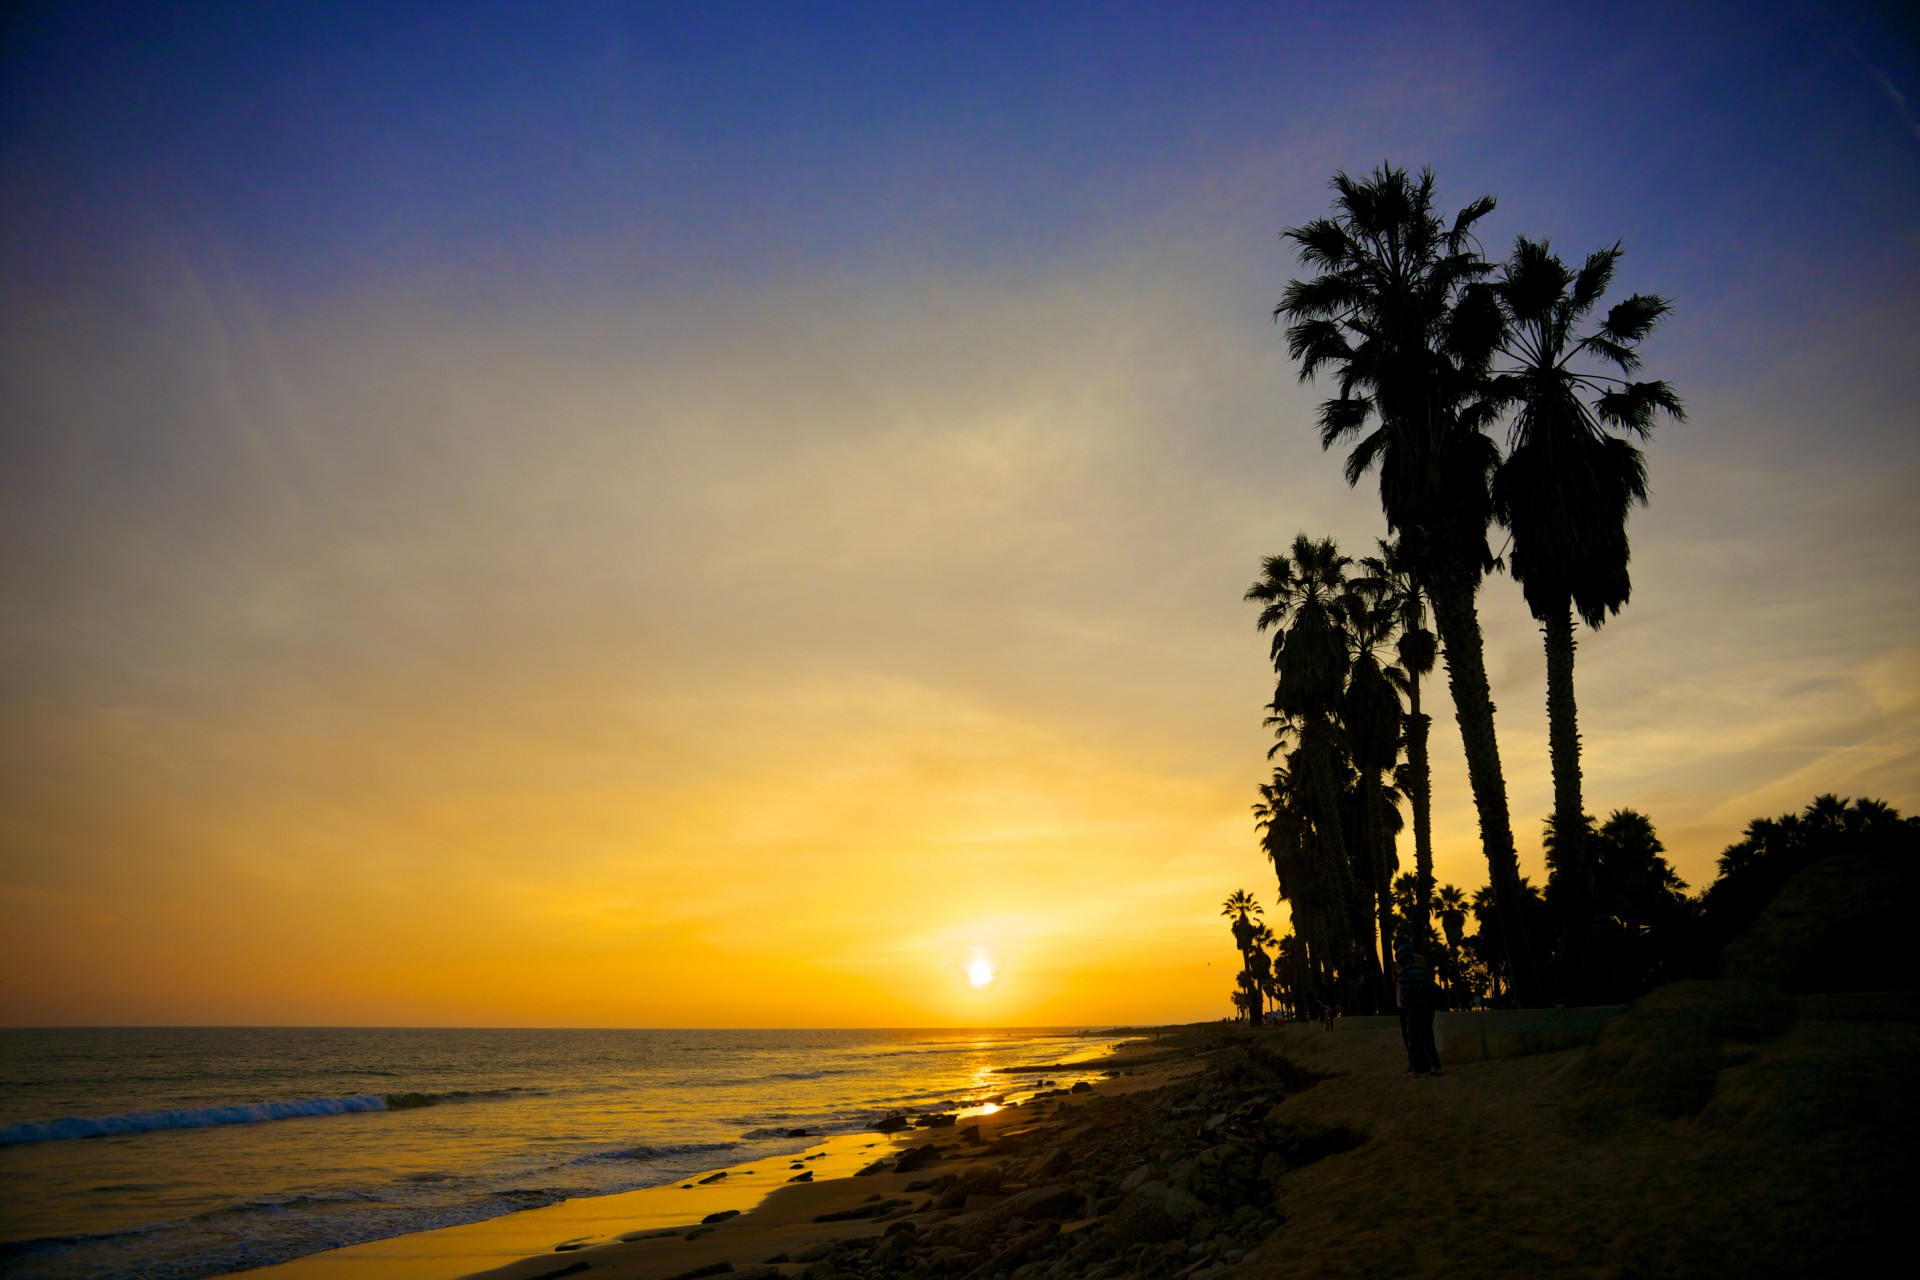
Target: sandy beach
1707	1132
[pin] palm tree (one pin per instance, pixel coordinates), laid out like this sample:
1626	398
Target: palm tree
1453	923
1391	580
1391	313
1370	713
1316	889
1306	603
1564	491
1260	964
1242	906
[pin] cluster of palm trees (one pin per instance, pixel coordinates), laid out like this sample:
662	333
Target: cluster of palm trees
1432	348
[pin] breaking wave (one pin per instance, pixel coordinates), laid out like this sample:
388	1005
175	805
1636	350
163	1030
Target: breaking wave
69	1127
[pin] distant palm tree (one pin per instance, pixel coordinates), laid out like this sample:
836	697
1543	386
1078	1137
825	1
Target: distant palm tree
1392	314
1242	906
1564	491
1261	964
1390	578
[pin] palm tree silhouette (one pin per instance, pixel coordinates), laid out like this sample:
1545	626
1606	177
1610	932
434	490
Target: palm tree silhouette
1564	491
1390	579
1306	603
1242	906
1370	713
1392	314
1316	890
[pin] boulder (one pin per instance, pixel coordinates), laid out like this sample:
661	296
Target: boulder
1152	1212
890	1124
872	1209
711	1269
1039	1204
916	1159
721	1216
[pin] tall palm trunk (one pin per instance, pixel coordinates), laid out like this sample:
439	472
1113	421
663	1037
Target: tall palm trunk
1422	795
1569	814
1452	590
1357	942
1381	873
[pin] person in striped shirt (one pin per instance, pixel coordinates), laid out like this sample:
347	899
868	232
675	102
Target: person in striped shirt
1416	1011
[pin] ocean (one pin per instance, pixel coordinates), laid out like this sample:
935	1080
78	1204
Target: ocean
177	1153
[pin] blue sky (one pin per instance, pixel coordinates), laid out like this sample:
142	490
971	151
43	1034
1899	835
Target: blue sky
577	463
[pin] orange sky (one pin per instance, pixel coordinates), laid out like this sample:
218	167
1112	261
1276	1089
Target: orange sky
496	641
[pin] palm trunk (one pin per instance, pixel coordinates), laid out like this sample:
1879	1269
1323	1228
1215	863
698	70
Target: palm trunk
1357	956
1382	844
1569	815
1375	836
1452	592
1417	726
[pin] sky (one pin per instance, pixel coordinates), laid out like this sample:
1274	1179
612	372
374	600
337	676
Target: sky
734	514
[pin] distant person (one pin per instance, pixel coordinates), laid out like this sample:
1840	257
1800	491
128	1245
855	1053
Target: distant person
1416	1012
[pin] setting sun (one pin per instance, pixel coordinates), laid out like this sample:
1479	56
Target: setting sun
980	972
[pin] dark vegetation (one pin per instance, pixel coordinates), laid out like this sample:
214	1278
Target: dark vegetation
1433	351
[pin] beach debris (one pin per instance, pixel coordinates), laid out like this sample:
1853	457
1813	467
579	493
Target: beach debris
721	1216
713	1177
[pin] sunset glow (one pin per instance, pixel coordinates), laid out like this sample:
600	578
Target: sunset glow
614	520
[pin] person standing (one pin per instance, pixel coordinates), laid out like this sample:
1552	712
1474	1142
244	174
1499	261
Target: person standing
1415	991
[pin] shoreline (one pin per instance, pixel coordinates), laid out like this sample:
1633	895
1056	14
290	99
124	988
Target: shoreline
590	1222
1708	1130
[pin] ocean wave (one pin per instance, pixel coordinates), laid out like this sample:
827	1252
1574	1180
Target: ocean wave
251	1234
408	1101
644	1153
68	1127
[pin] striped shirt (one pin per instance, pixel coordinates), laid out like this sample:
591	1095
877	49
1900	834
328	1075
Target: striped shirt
1413	977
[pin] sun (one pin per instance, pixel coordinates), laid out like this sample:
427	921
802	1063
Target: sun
980	972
